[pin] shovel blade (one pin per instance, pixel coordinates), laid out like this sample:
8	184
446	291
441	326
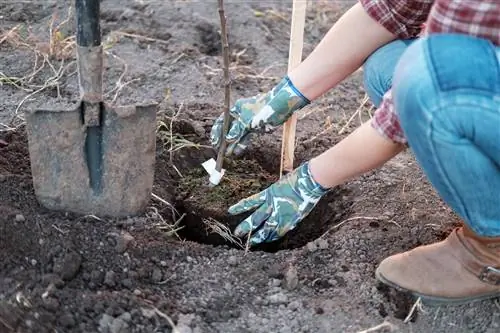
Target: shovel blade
59	163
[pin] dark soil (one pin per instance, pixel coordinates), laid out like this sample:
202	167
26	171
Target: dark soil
62	272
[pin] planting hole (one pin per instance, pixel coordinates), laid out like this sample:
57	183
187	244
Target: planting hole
206	219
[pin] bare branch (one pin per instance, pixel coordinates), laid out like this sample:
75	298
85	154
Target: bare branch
227	85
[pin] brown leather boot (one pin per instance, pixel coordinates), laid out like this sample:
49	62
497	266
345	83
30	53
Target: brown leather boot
461	269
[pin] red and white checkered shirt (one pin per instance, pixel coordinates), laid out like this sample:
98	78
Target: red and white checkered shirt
405	19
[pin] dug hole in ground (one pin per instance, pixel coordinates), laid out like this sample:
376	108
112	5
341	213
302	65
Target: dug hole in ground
70	273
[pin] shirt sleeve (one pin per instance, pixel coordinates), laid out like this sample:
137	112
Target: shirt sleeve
404	18
386	122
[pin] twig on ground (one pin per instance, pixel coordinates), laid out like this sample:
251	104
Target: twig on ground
416	306
64	232
170	321
381	327
6	324
358	112
131	35
7	128
338	225
243	72
227	84
497	304
247	243
163	201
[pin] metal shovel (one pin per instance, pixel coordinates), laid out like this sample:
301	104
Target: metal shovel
97	158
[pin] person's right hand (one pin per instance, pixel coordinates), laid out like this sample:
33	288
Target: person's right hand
258	112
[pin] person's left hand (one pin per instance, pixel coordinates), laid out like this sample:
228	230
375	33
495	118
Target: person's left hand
280	207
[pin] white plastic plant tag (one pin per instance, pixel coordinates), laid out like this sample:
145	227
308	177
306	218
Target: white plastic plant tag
215	176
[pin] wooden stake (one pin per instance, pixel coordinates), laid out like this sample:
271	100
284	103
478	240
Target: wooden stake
294	59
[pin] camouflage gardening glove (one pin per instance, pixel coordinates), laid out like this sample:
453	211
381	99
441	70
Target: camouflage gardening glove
258	112
280	207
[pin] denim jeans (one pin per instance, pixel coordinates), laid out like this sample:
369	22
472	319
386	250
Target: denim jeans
446	91
378	69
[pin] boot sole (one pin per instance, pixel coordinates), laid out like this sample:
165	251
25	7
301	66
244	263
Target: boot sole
438	301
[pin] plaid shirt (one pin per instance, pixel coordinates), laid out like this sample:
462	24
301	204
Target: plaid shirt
405	19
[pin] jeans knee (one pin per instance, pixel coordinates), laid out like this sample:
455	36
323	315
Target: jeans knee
374	80
378	69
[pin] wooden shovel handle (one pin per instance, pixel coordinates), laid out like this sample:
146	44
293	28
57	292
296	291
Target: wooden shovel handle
294	59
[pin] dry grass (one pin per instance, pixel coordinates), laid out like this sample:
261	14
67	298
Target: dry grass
240	72
171	226
345	123
57	54
214	226
172	141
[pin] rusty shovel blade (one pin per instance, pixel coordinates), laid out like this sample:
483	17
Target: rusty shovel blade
59	163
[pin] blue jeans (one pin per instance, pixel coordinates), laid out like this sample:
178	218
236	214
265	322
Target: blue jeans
447	95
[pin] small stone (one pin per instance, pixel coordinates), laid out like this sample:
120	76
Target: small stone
137	292
67	320
123	241
156	275
97	277
127	283
126	316
70	265
119	326
53	279
278	298
322	243
275	282
311	246
105	323
185	319
293	305
184	329
20	218
110	279
291	278
163	263
51	304
33	262
232	261
148	313
198	129
190	259
133	275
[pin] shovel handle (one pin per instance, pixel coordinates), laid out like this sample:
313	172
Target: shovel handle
88	30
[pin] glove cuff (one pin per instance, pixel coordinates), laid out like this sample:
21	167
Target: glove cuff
312	186
296	90
283	100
